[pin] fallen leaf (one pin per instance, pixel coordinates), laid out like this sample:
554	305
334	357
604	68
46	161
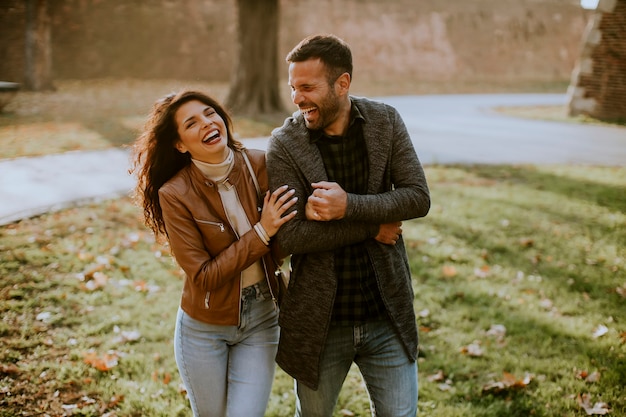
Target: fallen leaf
482	272
597	409
444	386
113	402
546	304
508	381
473	349
104	363
89	271
142	286
167	377
44	316
127	337
599	331
498	331
593	377
439	376
161	375
99	280
10	369
582	374
526	242
449	271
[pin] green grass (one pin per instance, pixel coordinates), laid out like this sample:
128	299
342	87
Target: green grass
538	250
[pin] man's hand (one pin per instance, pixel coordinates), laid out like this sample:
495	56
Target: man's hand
328	202
389	233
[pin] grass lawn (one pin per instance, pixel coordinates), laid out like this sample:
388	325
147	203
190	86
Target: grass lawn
519	274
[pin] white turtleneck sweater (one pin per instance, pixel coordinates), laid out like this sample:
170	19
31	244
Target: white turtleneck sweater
233	208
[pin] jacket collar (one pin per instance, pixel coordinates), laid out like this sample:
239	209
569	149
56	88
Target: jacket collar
233	177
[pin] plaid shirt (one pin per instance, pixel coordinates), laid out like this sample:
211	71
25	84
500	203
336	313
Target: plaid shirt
345	159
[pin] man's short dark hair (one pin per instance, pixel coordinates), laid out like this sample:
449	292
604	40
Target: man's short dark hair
331	50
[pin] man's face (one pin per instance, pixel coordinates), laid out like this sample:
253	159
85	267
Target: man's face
317	100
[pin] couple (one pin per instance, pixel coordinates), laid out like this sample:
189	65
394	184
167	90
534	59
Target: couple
341	176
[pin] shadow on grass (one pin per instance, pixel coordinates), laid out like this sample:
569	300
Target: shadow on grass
505	250
610	196
535	342
113	131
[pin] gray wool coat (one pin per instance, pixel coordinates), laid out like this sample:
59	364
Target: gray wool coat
397	191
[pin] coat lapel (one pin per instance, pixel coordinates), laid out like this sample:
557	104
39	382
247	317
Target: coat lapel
305	154
377	138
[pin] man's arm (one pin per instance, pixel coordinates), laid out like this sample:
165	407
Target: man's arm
301	235
328	202
406	195
409	197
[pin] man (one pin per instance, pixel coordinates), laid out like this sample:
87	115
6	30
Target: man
357	177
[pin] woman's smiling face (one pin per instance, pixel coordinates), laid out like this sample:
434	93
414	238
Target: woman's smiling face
202	132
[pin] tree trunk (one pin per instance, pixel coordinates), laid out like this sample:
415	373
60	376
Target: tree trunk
254	89
38	46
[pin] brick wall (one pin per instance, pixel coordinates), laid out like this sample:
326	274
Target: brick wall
598	86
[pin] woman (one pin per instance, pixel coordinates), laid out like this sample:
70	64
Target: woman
203	191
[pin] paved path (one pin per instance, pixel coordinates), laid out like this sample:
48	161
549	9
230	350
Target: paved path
466	129
445	129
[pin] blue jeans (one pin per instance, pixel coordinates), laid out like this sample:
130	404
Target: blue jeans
228	370
389	375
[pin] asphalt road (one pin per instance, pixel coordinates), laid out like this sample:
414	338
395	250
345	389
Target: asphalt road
465	129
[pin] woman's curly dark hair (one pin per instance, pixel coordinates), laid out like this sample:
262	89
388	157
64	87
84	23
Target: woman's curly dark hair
155	159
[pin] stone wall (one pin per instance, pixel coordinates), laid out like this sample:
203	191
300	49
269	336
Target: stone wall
392	40
598	87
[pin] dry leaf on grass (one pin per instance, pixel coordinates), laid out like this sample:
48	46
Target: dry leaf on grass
599	331
508	382
126	336
497	331
103	363
99	280
10	369
482	272
161	375
473	349
448	271
597	409
439	376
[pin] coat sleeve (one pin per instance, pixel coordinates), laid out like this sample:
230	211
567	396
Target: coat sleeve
403	193
187	240
301	235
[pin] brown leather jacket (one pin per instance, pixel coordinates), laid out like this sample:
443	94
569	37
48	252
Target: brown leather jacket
205	244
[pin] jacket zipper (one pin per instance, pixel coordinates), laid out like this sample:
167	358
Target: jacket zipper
230	223
220	225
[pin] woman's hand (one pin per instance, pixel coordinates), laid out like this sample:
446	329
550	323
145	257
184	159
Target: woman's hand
274	207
